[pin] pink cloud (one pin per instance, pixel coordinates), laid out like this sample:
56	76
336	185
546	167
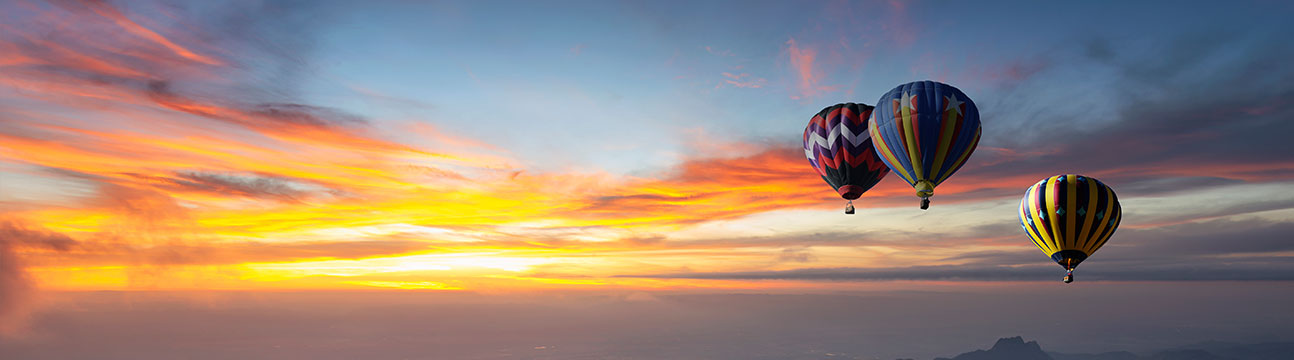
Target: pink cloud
755	84
743	80
896	26
809	77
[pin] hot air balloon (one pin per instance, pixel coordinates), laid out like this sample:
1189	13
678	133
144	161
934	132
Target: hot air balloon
925	131
1069	217
839	148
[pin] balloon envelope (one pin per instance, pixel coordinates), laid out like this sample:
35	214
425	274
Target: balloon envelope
924	131
1069	217
839	148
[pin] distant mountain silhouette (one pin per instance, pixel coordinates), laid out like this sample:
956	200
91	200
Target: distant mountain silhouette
1015	348
1012	348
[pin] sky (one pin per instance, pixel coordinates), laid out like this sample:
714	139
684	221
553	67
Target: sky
535	155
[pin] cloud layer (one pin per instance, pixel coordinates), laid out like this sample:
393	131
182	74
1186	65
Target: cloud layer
175	146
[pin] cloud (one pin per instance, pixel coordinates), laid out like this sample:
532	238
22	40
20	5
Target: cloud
1170	123
17	235
1011	73
263	115
898	25
15	286
712	51
26	246
1220	240
704	189
775	177
802	255
744	80
697	190
243	185
831	52
107	251
191	151
71	57
1215	250
1212	272
944	272
249	186
108	11
644	240
809	76
287	121
1170	132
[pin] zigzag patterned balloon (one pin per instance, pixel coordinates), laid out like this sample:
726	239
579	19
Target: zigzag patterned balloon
839	148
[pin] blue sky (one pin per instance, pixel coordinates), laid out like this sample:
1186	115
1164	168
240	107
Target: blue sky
625	86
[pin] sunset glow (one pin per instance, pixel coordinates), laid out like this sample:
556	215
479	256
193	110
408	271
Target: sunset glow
625	148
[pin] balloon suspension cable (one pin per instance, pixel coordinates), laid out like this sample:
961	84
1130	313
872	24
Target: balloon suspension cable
849	207
1069	271
925	202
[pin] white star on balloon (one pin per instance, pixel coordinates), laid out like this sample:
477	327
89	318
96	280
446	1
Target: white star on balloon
953	103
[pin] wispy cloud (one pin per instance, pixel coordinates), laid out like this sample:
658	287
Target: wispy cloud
809	76
108	11
744	80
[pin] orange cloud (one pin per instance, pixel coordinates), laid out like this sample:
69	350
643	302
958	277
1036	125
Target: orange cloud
708	189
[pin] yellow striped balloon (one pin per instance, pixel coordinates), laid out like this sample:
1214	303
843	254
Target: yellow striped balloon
1069	217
